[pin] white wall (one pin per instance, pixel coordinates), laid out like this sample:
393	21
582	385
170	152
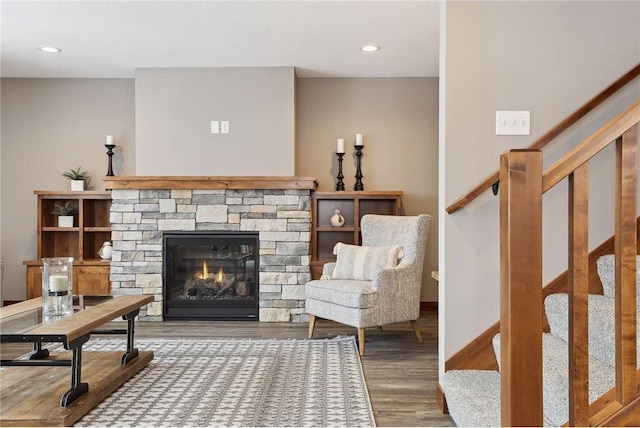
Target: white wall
175	107
546	57
1	262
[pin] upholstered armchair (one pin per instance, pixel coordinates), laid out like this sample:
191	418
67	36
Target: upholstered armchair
377	283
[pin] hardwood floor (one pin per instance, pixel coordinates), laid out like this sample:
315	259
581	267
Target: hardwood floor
401	373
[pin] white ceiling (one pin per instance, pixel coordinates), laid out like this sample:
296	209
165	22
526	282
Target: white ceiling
319	38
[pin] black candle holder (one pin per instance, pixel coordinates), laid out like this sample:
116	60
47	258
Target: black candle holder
110	148
358	185
340	183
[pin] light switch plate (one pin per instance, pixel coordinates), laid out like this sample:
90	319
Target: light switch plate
215	127
513	123
224	127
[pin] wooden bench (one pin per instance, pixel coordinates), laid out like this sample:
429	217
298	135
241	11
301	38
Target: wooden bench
26	406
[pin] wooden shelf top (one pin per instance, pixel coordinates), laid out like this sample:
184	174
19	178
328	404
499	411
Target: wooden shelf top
350	194
210	182
76	262
60	194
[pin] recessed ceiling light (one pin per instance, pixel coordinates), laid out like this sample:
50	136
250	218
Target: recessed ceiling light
369	48
50	49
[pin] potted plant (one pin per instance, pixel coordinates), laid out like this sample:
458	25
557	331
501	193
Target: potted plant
65	214
77	177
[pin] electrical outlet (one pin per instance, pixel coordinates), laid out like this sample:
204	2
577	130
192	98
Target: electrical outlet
513	123
215	127
224	127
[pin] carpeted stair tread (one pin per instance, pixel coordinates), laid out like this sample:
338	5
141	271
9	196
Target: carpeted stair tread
555	367
606	271
601	324
473	397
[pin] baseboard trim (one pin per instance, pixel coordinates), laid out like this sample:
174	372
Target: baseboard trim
429	306
441	399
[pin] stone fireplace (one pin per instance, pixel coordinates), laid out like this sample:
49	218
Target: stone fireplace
278	209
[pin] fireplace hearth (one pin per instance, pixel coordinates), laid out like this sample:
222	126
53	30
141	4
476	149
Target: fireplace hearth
210	275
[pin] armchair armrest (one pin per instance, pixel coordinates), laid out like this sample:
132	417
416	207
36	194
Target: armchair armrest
390	281
328	268
398	294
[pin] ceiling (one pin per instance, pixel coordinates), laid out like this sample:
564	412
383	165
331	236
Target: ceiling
320	38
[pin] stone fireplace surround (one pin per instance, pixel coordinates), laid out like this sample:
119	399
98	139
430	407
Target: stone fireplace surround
279	208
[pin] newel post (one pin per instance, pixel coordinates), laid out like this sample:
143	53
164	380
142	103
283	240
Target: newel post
521	287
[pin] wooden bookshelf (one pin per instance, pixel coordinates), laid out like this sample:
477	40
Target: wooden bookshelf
353	205
91	228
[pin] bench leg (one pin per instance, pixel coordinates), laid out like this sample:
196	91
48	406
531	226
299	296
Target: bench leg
78	388
38	353
131	351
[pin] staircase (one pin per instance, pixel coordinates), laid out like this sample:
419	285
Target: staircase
583	369
473	396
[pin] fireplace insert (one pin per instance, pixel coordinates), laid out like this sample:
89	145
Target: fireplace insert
210	275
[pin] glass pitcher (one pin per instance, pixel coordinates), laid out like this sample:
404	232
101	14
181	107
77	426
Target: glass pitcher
57	286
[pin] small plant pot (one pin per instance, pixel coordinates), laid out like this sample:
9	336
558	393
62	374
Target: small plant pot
77	185
65	221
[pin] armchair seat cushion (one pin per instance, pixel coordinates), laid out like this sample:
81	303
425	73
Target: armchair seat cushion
350	293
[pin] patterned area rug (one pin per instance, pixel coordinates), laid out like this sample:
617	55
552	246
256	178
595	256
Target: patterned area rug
239	383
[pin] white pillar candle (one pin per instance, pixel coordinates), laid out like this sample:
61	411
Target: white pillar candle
58	283
110	139
340	146
358	140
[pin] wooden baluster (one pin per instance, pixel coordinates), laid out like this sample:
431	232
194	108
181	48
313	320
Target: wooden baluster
625	260
578	282
521	287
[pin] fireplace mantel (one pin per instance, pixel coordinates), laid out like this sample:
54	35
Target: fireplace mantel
210	182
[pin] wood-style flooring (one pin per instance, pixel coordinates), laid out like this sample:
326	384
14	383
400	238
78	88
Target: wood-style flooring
401	373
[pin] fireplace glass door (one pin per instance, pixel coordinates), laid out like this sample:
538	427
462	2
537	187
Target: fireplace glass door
210	275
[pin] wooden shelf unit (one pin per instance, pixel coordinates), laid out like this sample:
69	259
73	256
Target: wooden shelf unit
91	228
353	205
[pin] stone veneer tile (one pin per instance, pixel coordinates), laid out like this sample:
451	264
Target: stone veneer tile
211	214
281	200
125	194
167	205
180	194
267	225
176	224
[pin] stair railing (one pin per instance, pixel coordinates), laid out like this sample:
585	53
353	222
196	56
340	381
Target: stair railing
545	139
521	312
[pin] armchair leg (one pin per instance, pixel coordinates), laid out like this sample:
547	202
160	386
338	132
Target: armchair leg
312	324
414	324
361	341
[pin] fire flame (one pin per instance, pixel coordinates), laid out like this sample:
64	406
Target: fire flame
205	271
219	276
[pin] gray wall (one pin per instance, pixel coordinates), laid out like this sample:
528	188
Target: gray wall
546	57
175	107
399	122
49	126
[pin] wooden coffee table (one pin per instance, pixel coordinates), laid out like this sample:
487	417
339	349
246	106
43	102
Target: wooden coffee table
32	390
